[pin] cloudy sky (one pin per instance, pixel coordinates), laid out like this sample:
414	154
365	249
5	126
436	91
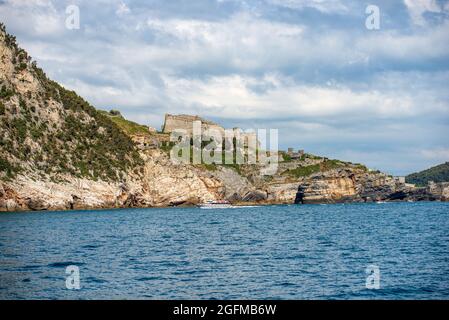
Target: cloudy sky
309	68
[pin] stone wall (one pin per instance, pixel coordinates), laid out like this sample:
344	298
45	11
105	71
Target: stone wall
185	122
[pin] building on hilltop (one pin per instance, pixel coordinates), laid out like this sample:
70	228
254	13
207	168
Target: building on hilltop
295	155
185	122
399	179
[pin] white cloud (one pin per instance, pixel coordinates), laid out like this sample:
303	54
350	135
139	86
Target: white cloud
248	43
41	17
440	154
326	6
232	97
421	46
417	9
319	85
240	28
122	9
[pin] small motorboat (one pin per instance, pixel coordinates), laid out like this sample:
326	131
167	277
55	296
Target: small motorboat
218	204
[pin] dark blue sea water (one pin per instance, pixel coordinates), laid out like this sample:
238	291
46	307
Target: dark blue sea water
274	252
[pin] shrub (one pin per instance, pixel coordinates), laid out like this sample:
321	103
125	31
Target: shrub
210	167
5	92
7	168
73	146
286	157
115	113
20	127
22	66
319	167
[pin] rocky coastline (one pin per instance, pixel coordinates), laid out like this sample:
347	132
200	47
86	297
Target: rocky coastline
57	152
163	184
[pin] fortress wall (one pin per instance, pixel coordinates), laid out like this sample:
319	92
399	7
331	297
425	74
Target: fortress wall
185	122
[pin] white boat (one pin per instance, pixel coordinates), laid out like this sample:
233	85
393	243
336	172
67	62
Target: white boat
219	204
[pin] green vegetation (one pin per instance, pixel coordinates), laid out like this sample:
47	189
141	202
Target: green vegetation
286	157
6	93
311	156
309	170
86	143
438	173
167	147
21	66
115	113
210	167
236	167
129	127
361	167
7	168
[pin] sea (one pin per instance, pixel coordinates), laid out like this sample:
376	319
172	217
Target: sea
336	251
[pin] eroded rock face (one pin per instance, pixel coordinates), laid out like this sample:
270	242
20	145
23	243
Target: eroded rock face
282	192
235	186
166	184
161	184
346	185
255	196
439	190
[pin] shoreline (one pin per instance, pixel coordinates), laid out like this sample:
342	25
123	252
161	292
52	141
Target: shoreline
234	206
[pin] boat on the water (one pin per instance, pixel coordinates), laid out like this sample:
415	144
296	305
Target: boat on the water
218	204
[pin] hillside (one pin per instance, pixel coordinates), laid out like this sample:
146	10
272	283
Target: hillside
58	152
439	173
49	132
127	126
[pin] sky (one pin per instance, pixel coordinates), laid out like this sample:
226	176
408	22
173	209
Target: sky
309	68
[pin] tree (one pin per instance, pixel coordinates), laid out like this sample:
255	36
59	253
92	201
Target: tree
115	113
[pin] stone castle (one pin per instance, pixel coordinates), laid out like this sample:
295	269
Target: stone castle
185	122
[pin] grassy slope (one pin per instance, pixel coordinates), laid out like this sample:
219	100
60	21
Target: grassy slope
129	127
315	168
438	173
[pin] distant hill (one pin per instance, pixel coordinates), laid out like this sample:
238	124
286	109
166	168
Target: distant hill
438	173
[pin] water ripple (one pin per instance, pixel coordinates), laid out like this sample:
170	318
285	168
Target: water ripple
274	252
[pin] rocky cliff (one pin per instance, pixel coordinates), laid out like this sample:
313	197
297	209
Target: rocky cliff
58	152
347	185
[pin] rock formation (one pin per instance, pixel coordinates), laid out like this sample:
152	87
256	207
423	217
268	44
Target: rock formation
57	153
